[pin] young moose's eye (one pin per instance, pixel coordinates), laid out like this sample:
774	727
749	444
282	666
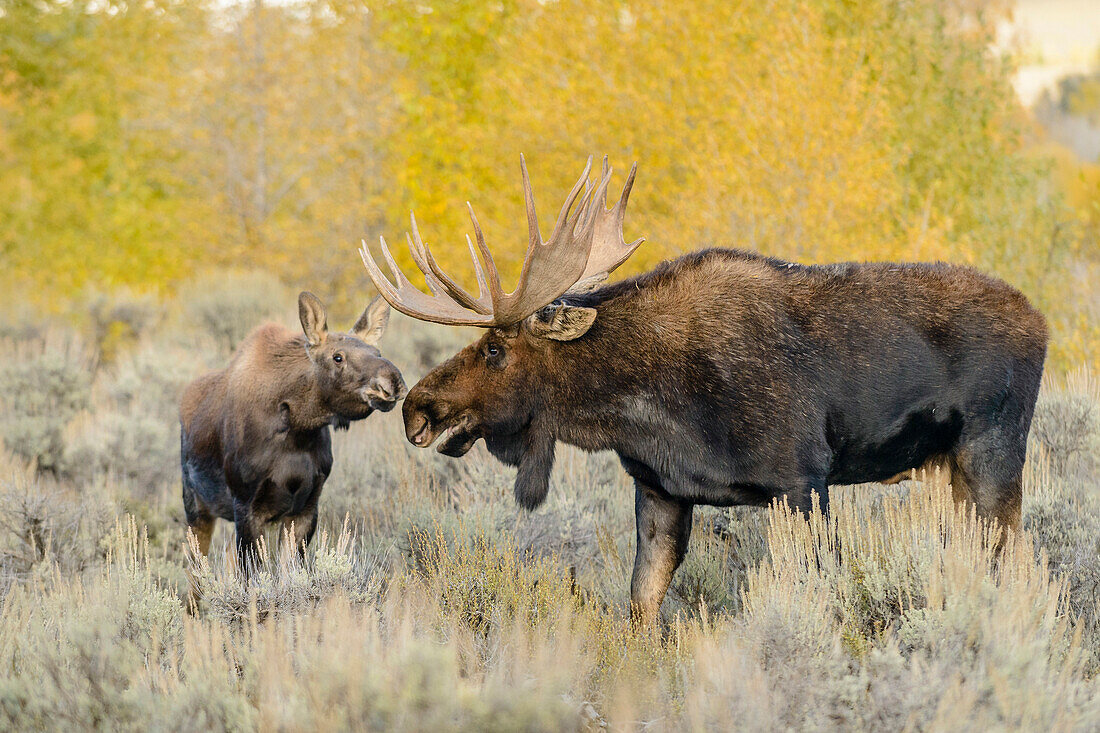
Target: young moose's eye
338	358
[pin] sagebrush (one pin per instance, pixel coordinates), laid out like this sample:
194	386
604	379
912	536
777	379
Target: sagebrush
428	600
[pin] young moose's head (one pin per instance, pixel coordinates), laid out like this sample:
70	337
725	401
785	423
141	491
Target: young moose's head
494	388
352	377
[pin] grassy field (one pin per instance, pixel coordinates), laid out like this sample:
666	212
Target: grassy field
428	601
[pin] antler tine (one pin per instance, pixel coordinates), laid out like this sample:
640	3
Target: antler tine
437	278
385	287
405	298
620	207
609	250
599	197
534	236
399	277
482	288
418	257
581	214
563	215
495	291
416	244
627	187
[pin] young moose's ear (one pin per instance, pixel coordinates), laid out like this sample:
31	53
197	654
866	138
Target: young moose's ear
561	322
312	314
372	324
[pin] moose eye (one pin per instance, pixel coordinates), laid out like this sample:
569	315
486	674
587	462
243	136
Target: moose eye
338	358
494	355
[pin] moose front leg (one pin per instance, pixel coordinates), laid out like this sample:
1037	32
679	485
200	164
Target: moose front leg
664	527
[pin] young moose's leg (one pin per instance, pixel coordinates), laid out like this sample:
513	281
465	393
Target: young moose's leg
299	530
249	529
200	520
200	523
203	529
202	526
664	527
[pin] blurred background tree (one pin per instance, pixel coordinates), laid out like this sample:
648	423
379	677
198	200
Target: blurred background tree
141	142
88	190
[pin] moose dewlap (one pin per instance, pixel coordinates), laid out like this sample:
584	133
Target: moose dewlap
255	441
724	377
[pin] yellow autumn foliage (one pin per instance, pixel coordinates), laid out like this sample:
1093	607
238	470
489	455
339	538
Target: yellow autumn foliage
143	142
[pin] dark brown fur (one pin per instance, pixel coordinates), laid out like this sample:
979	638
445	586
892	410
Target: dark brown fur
255	442
724	377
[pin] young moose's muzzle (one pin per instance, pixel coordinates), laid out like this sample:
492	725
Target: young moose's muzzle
384	390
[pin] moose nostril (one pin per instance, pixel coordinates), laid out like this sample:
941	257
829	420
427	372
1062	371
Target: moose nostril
416	429
385	388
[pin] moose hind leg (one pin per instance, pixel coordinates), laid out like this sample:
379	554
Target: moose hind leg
989	472
989	459
664	528
993	483
802	499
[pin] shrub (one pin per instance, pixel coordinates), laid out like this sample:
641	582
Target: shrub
132	433
44	383
911	619
1067	423
81	650
286	583
487	585
120	319
346	666
1064	520
227	306
151	378
132	447
44	528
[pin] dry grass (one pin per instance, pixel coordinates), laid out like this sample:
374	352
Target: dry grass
429	601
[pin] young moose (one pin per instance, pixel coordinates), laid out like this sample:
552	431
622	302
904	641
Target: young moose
255	442
724	377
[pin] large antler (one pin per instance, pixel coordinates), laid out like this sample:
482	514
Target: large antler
585	243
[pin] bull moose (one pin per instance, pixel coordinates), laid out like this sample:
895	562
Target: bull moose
724	377
255	441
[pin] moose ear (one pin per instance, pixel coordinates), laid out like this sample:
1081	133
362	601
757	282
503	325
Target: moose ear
561	322
312	314
372	324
